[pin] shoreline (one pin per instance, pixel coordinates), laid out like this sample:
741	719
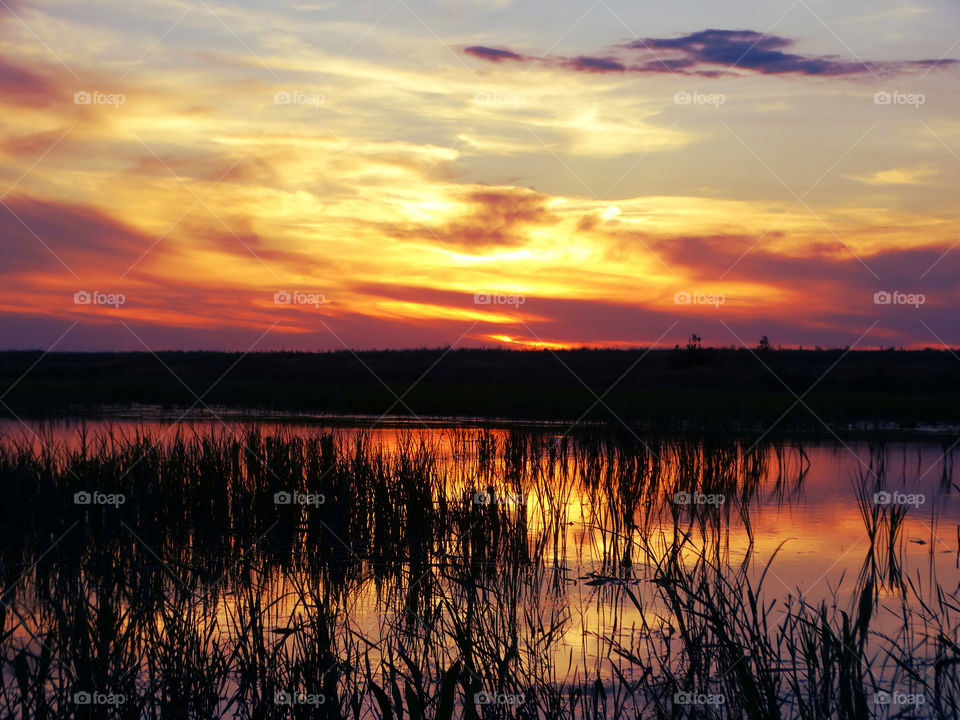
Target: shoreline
702	391
135	413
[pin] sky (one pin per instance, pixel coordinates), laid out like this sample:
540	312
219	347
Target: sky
318	174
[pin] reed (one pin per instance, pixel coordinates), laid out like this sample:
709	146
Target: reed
436	575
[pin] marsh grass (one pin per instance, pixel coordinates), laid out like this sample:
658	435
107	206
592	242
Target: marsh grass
404	594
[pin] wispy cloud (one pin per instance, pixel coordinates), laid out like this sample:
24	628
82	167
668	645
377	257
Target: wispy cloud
898	176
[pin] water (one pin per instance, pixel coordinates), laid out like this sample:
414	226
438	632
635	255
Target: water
538	560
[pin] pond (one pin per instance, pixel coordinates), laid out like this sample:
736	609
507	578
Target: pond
254	568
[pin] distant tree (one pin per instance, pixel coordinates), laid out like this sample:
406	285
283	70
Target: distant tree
764	344
693	344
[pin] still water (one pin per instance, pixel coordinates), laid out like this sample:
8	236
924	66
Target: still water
536	561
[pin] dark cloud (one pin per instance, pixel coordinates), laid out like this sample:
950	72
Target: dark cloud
32	145
26	88
765	54
511	207
498	218
492	54
236	236
494	218
741	258
710	53
22	332
82	238
591	64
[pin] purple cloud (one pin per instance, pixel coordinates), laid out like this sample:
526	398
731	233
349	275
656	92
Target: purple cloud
762	53
25	88
492	54
710	53
592	64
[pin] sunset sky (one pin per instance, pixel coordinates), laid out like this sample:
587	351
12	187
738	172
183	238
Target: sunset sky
314	174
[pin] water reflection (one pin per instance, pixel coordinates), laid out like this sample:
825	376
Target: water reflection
207	569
